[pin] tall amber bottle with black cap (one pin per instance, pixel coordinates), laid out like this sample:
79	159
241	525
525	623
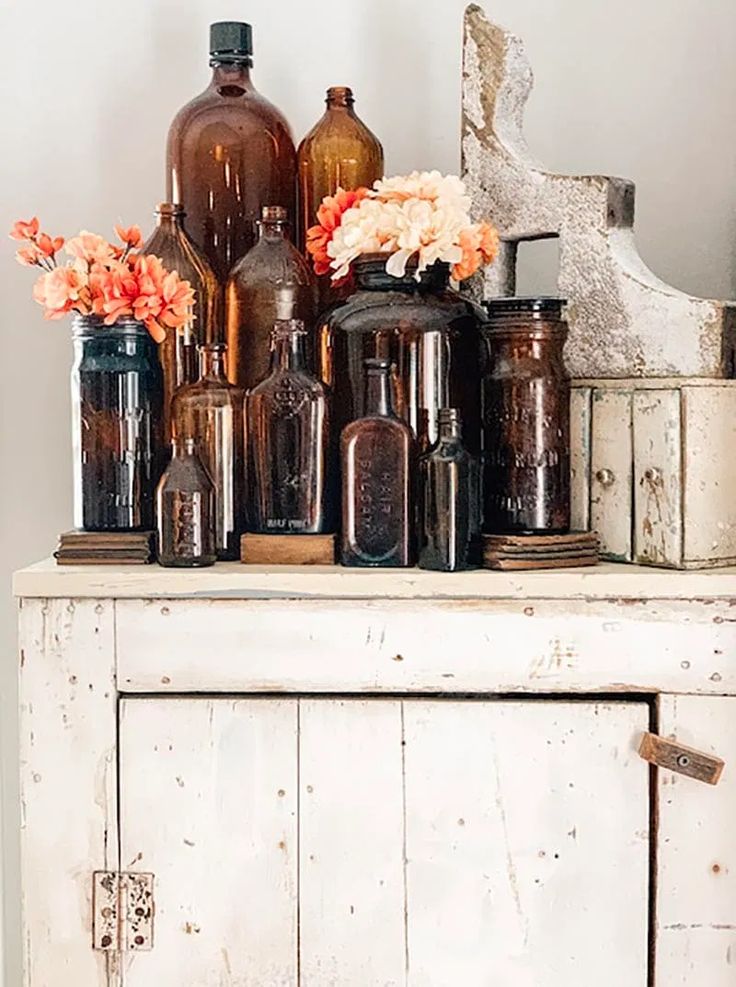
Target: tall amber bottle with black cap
230	152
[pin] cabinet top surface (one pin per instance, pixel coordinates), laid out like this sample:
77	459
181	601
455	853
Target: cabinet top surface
249	582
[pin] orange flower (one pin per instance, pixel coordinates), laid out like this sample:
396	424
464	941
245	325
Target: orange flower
329	216
488	242
89	247
30	256
47	246
479	245
131	236
60	291
25	230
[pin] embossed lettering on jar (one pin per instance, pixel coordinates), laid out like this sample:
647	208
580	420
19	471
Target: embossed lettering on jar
526	417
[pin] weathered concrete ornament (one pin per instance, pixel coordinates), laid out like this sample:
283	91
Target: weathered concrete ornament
624	321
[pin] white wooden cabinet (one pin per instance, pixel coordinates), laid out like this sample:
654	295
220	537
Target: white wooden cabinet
368	778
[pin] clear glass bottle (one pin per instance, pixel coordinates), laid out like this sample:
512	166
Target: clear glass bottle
116	425
272	283
449	505
338	152
211	412
229	153
290	463
526	418
377	455
178	352
185	502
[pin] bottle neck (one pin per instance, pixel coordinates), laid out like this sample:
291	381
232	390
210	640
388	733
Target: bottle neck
231	78
450	429
273	229
212	363
289	352
341	104
169	222
378	393
183	448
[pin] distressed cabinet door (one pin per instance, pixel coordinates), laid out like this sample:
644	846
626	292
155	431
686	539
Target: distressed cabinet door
362	843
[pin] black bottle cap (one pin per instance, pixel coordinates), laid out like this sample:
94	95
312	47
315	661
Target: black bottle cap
231	41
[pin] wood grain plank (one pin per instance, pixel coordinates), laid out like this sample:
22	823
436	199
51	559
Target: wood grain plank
209	800
696	887
527	844
580	461
612	469
68	764
657	478
426	646
351	844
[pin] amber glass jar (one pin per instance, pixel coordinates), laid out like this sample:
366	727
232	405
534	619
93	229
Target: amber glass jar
526	418
185	502
117	398
428	331
272	283
178	352
449	501
211	412
377	452
290	467
229	153
339	152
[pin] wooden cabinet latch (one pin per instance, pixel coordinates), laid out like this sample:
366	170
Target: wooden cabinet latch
671	756
122	912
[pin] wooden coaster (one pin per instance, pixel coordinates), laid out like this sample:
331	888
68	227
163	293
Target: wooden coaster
288	549
520	552
106	548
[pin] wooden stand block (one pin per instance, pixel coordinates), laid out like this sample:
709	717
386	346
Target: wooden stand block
106	548
288	549
520	552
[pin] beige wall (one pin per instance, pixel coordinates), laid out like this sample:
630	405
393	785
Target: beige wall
646	90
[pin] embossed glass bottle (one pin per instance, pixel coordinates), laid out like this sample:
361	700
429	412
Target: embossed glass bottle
272	283
178	352
449	506
290	486
186	510
377	454
211	411
526	418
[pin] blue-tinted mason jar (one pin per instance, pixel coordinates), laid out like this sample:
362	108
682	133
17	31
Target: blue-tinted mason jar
117	418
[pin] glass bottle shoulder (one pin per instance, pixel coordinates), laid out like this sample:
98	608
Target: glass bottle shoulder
421	311
272	259
297	380
208	391
389	427
239	111
341	133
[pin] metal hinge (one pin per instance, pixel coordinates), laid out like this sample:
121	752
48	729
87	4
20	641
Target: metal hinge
122	912
671	756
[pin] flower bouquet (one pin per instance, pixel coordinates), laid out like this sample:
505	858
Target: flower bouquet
424	216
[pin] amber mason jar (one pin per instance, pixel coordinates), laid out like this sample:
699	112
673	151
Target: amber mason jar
428	331
117	402
526	417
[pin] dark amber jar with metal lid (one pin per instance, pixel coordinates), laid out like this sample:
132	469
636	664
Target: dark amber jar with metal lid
526	417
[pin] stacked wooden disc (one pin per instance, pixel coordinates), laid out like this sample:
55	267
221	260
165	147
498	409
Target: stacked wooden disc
106	548
509	552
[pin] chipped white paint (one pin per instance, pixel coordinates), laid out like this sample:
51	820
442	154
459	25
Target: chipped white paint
696	886
351	844
680	507
624	321
527	844
580	472
209	798
427	646
657	478
611	472
68	786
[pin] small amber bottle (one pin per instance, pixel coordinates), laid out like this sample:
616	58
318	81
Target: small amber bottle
377	458
272	283
185	502
211	412
178	352
339	152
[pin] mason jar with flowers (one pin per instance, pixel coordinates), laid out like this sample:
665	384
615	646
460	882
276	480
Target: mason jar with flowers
404	241
122	302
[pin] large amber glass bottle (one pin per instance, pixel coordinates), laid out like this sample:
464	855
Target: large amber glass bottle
229	153
377	454
211	412
339	152
272	283
178	352
290	475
